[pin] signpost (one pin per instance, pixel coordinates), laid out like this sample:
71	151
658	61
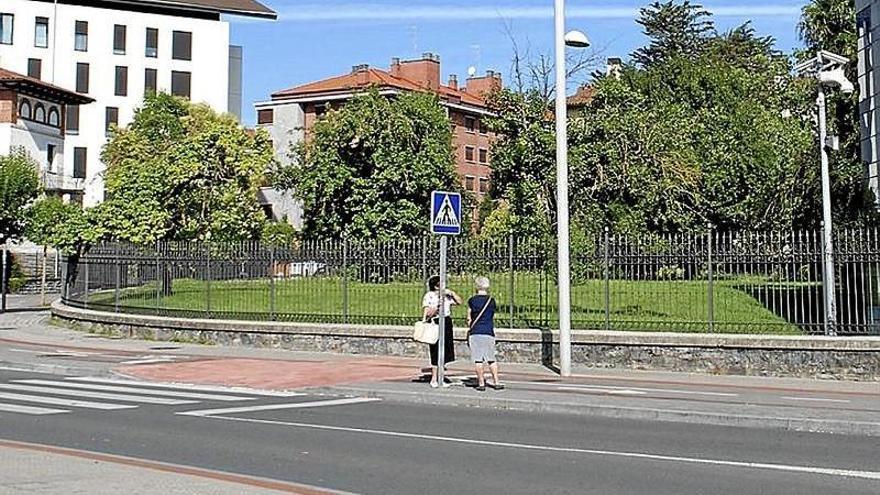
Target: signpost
445	221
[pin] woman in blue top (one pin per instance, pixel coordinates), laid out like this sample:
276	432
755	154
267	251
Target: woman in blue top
481	336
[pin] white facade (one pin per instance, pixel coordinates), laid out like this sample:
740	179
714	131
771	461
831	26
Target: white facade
287	128
868	22
208	67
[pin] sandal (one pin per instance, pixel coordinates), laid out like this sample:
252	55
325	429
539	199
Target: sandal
481	388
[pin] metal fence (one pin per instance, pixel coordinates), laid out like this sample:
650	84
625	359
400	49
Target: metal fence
711	282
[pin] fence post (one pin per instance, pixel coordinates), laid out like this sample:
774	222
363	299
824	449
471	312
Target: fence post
711	294
63	277
607	282
86	280
345	303
272	283
4	284
208	277
512	287
43	276
116	288
158	279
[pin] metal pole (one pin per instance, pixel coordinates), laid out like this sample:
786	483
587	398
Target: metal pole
828	251
607	284
43	277
118	276
345	303
3	283
711	289
441	342
512	287
563	273
272	283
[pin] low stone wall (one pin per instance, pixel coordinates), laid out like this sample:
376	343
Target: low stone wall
844	358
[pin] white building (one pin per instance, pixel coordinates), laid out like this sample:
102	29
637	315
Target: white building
117	50
868	15
32	119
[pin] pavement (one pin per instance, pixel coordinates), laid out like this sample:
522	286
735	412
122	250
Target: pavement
209	419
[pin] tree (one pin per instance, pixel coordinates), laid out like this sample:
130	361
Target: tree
368	168
675	30
65	226
180	171
19	186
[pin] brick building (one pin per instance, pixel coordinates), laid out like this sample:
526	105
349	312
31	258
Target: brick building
290	113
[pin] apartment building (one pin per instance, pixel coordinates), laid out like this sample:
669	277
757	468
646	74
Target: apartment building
867	17
116	51
290	113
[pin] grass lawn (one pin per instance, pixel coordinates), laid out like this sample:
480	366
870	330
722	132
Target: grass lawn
634	305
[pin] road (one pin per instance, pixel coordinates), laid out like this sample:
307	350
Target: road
369	446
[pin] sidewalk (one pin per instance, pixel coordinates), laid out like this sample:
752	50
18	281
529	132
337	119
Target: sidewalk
41	470
795	404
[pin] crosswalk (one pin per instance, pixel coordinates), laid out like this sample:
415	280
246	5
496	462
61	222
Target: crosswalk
41	396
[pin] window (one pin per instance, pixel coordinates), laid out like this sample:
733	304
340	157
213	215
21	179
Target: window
24	110
469	153
119	39
54	117
35	68
265	116
79	163
469	182
484	155
180	83
39	113
50	156
72	123
483	128
82	78
111	118
149	81
41	32
121	81
6	23
152	49
81	36
484	185
470	124
181	45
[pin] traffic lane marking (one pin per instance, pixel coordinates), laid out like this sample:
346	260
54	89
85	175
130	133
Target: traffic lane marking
186	386
144	391
274	407
32	410
816	399
98	395
64	402
813	470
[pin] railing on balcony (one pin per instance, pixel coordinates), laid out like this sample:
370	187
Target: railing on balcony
53	181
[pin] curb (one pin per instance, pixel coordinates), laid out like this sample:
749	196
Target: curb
52	369
443	398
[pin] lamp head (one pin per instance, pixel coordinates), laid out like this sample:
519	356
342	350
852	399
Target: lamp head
576	39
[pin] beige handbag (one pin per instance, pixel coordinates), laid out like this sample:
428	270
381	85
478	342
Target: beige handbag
426	332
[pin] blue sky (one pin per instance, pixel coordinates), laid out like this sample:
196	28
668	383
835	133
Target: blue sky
314	39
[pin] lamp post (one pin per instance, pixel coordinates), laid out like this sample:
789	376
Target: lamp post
827	68
561	40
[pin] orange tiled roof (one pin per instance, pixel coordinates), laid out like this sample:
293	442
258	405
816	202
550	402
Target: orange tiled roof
582	97
14	80
374	77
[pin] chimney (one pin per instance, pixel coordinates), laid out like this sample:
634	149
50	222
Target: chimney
425	71
453	81
395	66
480	86
614	66
362	72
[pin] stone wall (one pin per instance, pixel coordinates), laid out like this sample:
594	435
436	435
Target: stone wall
841	358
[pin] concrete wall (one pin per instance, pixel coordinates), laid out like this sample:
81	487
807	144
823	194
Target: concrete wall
209	65
756	355
868	25
235	77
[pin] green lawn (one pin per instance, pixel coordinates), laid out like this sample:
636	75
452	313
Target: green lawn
634	305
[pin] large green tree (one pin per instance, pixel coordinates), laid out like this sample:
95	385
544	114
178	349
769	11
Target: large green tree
366	170
180	171
19	186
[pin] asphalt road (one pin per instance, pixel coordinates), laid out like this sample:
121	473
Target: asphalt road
382	447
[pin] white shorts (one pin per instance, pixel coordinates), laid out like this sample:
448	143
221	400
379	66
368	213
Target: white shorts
482	348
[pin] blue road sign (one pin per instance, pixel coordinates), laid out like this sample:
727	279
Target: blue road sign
445	213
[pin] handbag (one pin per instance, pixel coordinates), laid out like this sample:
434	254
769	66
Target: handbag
426	332
482	311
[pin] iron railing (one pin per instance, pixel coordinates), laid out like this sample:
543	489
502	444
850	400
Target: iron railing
703	282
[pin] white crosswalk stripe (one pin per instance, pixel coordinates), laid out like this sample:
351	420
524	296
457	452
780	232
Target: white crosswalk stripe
186	386
39	411
63	402
141	391
98	395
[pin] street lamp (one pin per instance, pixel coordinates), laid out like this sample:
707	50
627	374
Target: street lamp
574	39
827	68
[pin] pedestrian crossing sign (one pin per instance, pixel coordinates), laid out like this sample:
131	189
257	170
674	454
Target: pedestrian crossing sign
445	213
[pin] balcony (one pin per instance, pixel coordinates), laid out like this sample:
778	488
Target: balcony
53	181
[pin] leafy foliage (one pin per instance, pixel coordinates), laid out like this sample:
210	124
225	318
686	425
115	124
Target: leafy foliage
675	30
19	186
64	226
180	171
368	168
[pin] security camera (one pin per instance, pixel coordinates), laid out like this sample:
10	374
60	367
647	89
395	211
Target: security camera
836	78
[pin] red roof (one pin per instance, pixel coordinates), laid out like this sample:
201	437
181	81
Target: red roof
41	89
370	77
